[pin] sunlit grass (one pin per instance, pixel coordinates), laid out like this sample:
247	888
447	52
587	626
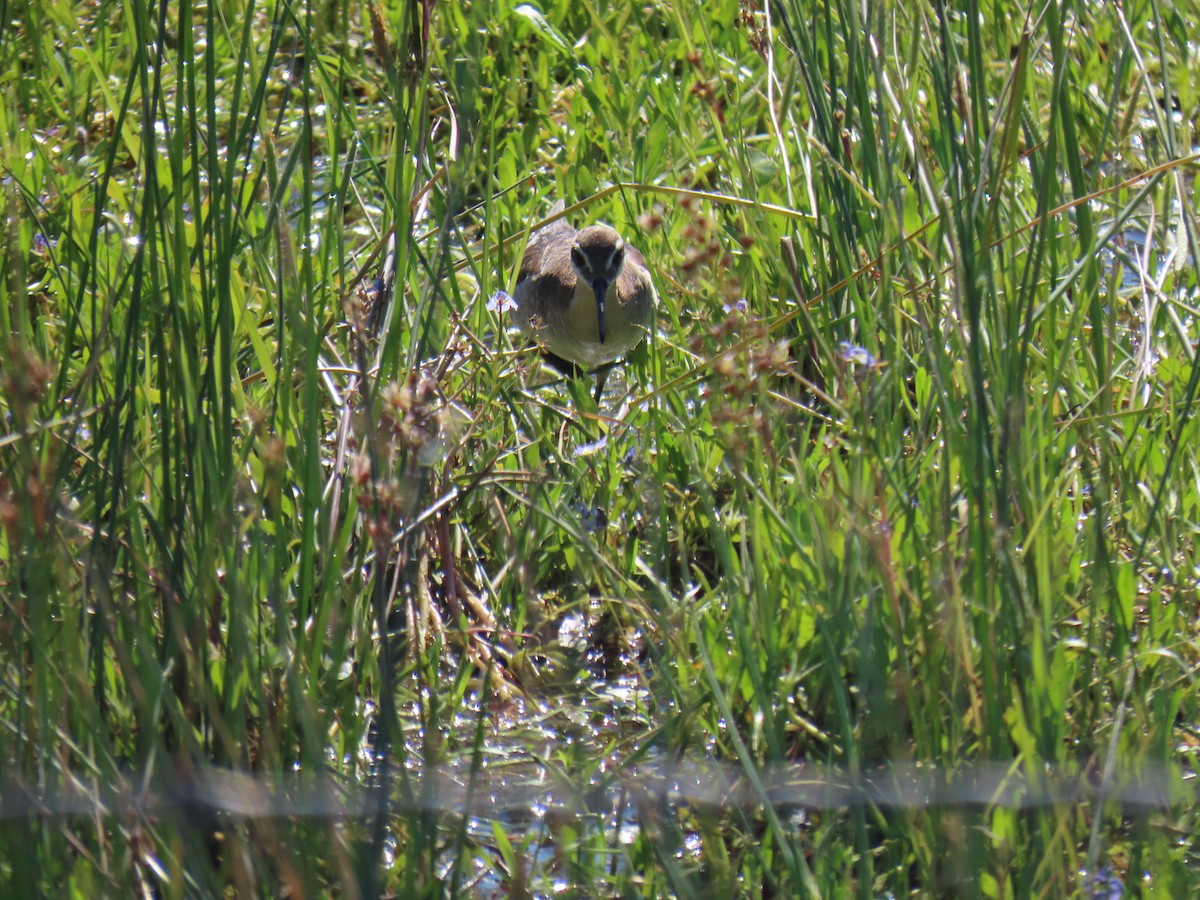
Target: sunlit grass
904	481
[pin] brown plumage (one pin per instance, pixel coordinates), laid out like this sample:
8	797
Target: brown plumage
585	296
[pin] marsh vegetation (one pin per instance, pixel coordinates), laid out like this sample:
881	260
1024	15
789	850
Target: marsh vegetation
872	572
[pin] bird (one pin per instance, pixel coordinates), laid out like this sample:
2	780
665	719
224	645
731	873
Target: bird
585	296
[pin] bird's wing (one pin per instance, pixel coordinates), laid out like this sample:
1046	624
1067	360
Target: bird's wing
552	240
634	255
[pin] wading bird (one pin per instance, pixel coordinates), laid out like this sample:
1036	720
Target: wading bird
585	296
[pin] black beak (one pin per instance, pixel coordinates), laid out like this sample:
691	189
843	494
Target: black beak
600	288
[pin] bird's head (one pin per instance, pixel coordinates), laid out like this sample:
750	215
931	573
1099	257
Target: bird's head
597	256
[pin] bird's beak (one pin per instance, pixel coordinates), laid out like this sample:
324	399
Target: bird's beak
600	288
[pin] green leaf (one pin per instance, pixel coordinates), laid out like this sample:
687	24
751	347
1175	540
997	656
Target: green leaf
762	166
534	17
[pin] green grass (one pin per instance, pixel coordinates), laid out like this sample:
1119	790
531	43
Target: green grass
906	478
